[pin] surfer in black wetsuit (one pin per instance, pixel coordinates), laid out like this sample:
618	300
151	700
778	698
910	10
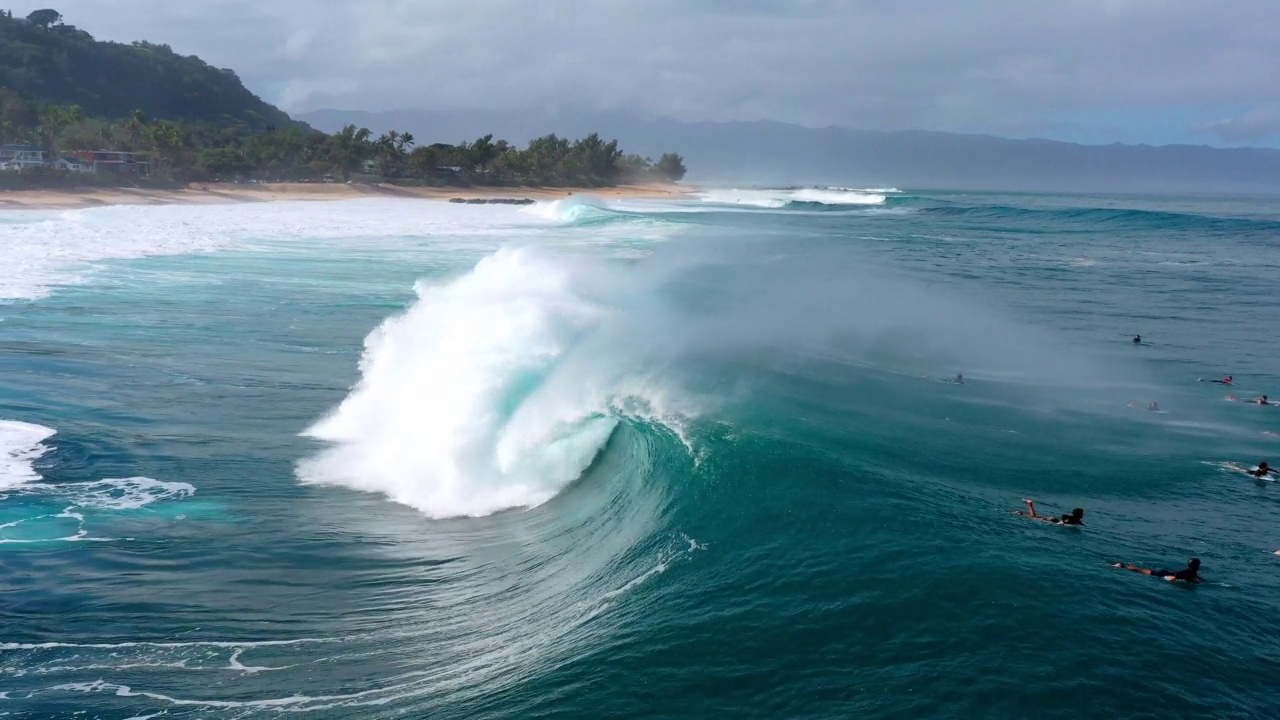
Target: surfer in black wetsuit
1137	339
1189	574
1263	470
1224	381
1075	518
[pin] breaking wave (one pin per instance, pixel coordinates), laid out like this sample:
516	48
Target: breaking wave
492	391
796	197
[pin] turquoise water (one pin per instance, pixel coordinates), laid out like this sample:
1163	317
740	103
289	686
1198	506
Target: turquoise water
397	459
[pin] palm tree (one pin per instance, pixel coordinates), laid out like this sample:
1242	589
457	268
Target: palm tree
349	148
168	140
385	147
135	124
54	121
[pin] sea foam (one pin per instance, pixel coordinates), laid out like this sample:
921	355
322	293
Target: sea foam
21	444
781	198
441	419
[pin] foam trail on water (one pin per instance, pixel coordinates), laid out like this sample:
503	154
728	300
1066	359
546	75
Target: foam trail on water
447	417
781	198
130	493
21	444
838	197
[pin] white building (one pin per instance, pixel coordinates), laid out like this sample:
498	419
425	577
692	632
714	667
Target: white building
72	164
21	157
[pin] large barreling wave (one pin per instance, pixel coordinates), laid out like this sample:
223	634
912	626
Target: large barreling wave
493	391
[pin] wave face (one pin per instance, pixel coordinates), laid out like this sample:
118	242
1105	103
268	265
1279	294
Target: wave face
380	459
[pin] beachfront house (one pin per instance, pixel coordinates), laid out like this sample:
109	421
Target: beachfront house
113	161
21	157
72	164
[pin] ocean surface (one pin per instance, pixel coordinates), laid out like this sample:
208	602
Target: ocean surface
640	459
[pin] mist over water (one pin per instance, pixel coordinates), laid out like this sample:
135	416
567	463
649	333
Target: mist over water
638	458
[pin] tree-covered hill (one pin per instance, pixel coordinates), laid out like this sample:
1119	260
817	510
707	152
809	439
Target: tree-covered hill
52	63
80	104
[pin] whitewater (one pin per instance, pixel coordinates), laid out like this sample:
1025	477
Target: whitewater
641	458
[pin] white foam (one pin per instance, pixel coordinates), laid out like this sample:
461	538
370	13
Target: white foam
424	424
21	444
129	493
783	198
472	402
839	197
45	249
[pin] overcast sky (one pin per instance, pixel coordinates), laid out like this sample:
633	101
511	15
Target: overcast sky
1085	70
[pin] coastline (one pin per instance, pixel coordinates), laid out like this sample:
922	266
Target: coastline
211	193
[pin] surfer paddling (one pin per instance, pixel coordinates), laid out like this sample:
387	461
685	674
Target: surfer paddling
1189	574
1075	518
1137	339
1224	381
1263	470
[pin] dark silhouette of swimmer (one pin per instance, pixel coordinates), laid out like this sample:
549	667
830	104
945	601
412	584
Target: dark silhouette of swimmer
1137	339
1075	518
1263	470
958	379
1189	574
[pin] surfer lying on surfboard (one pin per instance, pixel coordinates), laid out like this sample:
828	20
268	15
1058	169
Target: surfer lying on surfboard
1075	518
1263	470
1253	401
1224	381
1190	574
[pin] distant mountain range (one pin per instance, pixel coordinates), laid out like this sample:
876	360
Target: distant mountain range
764	152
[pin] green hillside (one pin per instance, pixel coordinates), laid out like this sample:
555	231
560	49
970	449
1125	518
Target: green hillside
79	103
52	63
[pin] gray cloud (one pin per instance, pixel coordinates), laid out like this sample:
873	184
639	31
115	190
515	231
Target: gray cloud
1000	66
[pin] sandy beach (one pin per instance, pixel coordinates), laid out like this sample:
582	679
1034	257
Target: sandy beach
213	193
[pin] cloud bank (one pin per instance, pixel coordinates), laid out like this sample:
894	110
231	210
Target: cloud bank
999	66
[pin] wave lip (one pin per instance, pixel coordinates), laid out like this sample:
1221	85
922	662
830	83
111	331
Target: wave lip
21	444
452	414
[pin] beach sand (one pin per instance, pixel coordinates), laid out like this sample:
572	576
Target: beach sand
213	193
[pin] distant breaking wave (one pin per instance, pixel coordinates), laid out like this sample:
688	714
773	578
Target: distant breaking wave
798	197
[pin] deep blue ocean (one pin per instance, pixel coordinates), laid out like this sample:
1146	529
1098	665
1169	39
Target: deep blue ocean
640	459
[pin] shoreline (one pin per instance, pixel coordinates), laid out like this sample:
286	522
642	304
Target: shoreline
211	193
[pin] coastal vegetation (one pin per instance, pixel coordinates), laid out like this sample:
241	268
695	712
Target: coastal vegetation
181	120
